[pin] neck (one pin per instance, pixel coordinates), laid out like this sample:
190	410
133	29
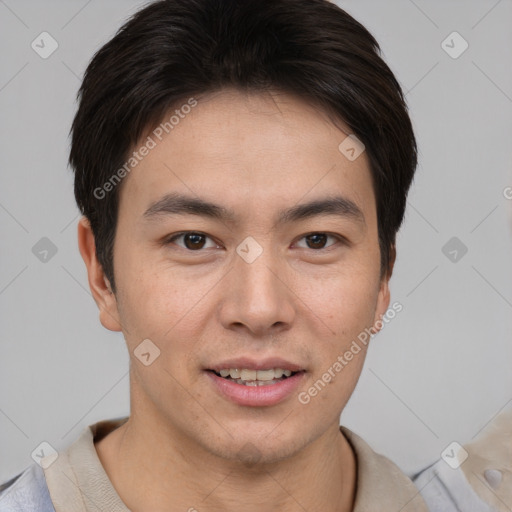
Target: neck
320	477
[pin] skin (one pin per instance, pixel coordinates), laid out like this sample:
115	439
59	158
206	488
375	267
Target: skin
185	444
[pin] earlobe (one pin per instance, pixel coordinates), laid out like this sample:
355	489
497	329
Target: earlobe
98	282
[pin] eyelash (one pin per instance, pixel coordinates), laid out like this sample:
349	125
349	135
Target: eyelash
176	236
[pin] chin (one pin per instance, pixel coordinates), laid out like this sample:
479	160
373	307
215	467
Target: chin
259	449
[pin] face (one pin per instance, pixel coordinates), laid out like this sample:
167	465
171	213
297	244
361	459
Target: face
246	241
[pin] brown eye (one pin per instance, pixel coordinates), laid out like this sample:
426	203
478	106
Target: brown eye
191	240
194	241
318	241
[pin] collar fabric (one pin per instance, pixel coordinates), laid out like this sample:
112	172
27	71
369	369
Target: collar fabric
77	481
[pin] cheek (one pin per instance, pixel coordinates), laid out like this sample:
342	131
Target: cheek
161	303
346	305
345	299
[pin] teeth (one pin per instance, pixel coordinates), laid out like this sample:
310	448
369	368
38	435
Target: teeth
249	376
278	373
265	375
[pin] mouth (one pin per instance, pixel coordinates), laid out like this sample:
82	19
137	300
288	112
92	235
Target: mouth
252	384
249	377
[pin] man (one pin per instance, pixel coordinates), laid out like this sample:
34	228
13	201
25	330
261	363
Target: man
242	167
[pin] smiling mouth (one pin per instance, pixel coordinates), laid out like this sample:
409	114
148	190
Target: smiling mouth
248	377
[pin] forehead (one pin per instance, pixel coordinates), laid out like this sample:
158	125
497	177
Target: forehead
249	151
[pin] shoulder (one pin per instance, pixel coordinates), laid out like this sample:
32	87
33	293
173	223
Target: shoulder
26	492
476	477
446	490
381	485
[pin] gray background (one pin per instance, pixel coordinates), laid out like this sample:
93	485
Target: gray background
438	372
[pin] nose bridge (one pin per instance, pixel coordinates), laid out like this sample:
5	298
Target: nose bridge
257	296
259	278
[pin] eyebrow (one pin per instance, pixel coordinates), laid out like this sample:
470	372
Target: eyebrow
179	204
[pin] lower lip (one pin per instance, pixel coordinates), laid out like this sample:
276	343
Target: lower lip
256	396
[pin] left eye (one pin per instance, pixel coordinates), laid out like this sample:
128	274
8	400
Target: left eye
317	240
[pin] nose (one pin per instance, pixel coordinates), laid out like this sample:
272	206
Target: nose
257	298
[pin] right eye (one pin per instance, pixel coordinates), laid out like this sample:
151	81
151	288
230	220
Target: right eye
191	240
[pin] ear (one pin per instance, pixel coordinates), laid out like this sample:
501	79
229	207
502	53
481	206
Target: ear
384	296
98	283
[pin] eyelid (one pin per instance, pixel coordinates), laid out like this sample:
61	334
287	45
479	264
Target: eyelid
170	239
336	236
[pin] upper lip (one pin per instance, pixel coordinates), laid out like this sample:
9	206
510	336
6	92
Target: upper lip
256	364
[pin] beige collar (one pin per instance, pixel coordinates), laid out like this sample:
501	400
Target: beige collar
380	483
77	481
